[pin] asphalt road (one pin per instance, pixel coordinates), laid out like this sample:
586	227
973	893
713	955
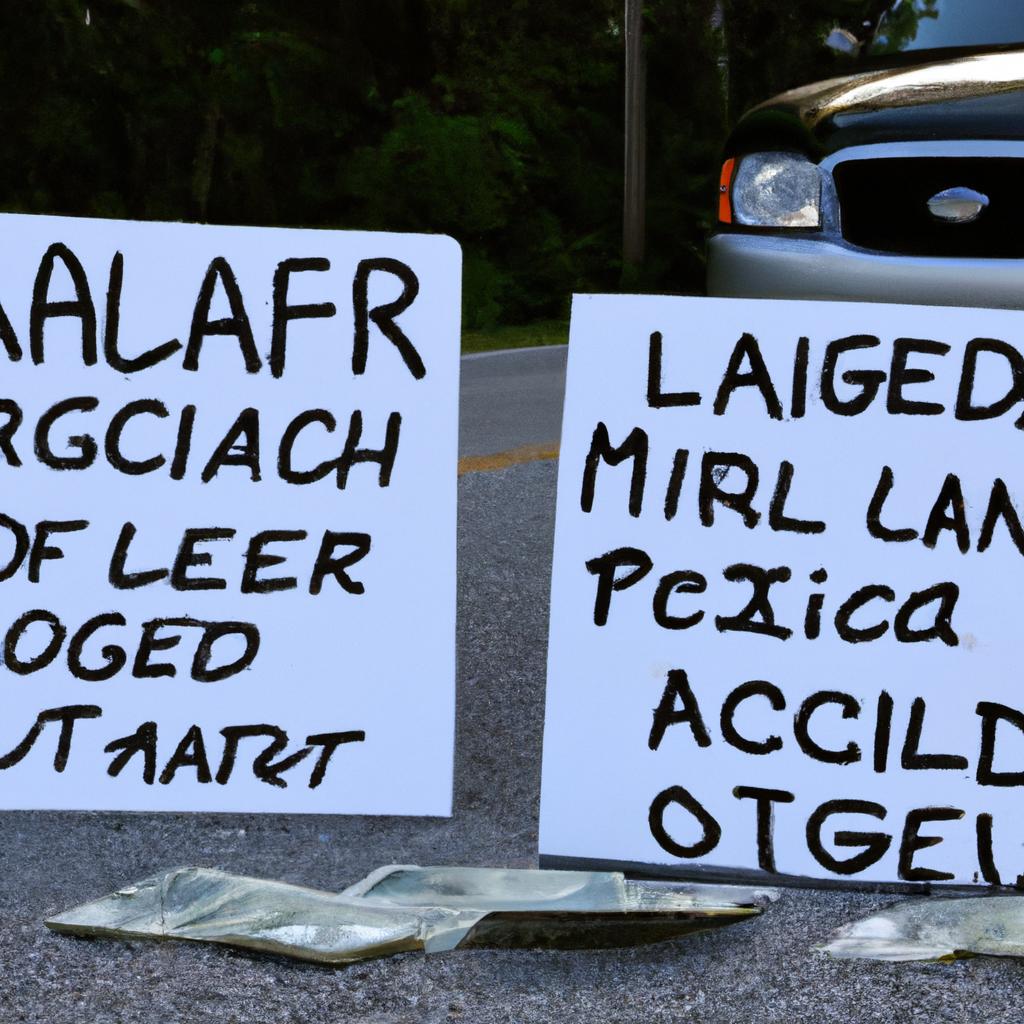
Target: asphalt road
510	400
765	970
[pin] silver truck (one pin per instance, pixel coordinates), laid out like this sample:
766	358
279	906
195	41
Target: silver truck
902	181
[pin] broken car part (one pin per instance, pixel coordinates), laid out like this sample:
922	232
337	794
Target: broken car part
399	908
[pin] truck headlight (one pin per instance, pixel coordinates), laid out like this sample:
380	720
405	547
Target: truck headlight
771	190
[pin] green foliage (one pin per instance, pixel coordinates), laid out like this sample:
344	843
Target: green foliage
499	123
774	45
532	335
901	24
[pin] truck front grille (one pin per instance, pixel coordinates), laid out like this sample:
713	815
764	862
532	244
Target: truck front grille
883	205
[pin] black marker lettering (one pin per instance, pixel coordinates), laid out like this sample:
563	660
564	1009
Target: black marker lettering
1000	507
666	713
777	518
913	841
883	729
878	499
798	404
815	602
604	567
284	314
680	582
236	326
263	766
142	741
256	558
111	329
911	759
680	797
21	545
285	470
941	629
8	338
714	468
201	671
875	844
675	482
948	513
113	656
330	741
43	552
43	309
900	375
857	600
142	668
965	407
10	409
869	381
230	453
983	835
755	688
118	578
757	376
850	754
67	716
83	442
188	557
17	631
112	443
991	715
353	454
656	398
189	753
327	564
759	604
766	801
384	316
634	447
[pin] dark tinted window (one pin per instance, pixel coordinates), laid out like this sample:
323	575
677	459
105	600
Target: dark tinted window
938	24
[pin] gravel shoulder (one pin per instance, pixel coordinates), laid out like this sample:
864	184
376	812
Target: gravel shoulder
765	970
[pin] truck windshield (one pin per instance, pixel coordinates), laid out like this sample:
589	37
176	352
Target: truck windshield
941	24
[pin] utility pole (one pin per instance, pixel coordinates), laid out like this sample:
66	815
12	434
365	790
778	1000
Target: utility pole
634	198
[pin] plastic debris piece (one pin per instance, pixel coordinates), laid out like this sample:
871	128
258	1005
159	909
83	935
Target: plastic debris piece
400	908
947	928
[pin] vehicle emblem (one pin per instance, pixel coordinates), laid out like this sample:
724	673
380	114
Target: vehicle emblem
957	205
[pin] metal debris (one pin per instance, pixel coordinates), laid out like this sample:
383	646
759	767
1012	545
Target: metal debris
936	929
399	908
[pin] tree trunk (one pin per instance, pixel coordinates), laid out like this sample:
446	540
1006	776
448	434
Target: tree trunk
633	220
202	167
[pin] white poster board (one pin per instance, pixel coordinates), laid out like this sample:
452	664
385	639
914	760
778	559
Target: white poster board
787	613
227	552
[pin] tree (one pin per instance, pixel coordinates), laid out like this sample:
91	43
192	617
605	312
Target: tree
500	124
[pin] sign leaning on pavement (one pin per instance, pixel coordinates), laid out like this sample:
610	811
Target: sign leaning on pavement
785	618
227	541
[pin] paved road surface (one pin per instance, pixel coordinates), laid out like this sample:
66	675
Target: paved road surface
764	971
511	399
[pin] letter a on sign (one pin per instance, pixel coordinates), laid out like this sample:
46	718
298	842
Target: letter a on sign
228	462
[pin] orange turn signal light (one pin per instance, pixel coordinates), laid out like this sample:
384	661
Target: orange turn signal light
724	191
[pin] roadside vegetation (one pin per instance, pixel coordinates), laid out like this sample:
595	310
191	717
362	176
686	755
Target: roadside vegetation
498	123
541	332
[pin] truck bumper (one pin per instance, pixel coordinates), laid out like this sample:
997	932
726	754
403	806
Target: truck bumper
763	266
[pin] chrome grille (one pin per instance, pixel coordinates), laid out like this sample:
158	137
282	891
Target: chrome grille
883	205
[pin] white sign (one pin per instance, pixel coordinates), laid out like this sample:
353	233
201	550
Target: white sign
788	599
227	543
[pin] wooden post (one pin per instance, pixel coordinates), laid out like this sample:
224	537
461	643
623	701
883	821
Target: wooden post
633	227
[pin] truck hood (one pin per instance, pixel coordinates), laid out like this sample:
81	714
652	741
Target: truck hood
980	96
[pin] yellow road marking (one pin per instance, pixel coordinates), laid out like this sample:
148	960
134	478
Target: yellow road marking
502	460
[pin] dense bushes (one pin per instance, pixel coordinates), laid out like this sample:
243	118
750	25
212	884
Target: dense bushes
497	122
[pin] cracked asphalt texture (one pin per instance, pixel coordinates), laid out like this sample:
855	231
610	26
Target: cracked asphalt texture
763	970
